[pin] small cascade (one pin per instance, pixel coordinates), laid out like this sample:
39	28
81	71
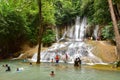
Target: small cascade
56	34
74	48
63	37
96	32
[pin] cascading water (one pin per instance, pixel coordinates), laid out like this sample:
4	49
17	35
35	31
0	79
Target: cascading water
75	47
83	28
63	37
77	28
96	32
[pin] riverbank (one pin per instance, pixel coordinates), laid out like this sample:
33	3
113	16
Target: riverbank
108	67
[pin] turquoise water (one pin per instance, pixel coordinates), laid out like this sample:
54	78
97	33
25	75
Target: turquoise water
62	71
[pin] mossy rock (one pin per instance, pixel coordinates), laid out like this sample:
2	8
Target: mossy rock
117	64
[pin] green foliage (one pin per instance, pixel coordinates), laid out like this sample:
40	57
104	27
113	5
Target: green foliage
97	11
19	21
13	31
87	9
101	14
13	25
48	11
108	32
66	11
116	1
32	24
49	36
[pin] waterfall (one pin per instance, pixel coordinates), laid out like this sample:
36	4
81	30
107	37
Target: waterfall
80	28
75	47
77	27
83	28
76	32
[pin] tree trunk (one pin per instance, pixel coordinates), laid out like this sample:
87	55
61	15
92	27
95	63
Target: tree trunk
116	31
40	31
116	12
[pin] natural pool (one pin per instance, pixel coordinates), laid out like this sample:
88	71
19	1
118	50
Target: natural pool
63	71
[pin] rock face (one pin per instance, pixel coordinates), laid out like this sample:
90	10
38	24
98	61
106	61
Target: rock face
105	50
28	52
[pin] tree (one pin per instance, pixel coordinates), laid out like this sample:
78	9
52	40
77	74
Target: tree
40	31
46	18
13	28
116	31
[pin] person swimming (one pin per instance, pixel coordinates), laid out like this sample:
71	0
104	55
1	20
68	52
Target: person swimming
52	60
17	69
52	74
30	64
20	69
8	68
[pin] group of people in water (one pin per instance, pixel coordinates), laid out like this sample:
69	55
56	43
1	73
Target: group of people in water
8	68
77	61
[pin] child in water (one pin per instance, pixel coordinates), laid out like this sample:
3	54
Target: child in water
52	74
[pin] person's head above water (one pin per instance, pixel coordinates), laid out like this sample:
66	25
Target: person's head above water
6	65
52	73
30	63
